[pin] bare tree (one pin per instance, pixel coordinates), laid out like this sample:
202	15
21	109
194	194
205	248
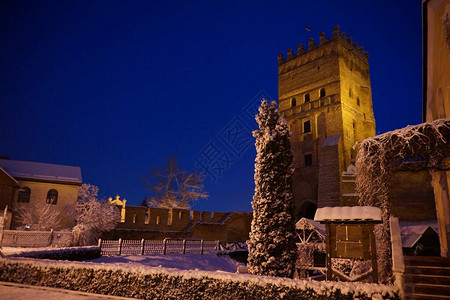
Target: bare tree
174	187
41	216
93	216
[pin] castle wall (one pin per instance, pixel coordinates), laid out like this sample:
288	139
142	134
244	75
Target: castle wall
160	223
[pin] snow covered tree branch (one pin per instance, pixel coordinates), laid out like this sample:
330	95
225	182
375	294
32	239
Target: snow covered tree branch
38	217
93	216
272	248
379	157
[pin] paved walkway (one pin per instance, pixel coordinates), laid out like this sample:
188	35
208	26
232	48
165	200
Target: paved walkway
15	291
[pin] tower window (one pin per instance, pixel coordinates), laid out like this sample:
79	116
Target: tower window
307	98
357	101
308	160
306	126
52	197
293	102
322	93
24	195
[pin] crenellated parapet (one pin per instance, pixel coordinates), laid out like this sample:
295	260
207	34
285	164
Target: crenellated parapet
164	219
319	49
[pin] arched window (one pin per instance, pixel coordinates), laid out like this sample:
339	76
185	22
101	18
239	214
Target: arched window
24	195
307	98
293	102
322	93
52	197
357	101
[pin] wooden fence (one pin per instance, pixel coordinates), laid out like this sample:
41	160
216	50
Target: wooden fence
167	246
17	238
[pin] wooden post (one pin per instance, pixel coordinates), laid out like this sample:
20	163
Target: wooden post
120	246
50	242
184	246
373	250
164	246
142	246
217	246
201	246
328	250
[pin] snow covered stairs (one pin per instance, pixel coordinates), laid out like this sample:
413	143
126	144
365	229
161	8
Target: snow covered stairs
427	277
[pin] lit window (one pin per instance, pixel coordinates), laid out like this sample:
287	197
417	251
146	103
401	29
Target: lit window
52	197
293	102
24	194
322	93
147	219
308	160
134	219
306	126
307	98
179	215
157	220
357	101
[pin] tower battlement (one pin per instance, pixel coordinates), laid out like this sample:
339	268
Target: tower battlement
337	37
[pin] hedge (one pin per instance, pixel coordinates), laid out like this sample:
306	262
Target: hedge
161	283
72	254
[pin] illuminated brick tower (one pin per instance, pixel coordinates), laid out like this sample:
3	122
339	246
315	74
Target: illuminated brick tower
325	95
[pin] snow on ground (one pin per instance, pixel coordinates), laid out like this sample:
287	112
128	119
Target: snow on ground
205	262
14	291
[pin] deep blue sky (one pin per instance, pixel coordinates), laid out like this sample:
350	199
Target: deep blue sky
115	87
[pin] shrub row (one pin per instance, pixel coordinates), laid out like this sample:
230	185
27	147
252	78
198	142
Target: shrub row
73	254
161	283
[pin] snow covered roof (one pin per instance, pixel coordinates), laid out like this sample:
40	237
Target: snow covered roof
411	232
305	223
27	170
348	213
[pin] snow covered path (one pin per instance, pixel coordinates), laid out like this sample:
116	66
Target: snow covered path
14	291
205	262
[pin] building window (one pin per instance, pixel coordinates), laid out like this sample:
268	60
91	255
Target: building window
24	195
157	220
308	160
307	98
52	197
357	101
147	218
350	94
180	215
134	219
306	126
322	93
293	102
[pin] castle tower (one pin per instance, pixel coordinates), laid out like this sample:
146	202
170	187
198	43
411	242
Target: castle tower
325	95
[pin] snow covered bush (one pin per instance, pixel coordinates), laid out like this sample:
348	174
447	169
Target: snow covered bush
272	248
72	254
93	216
163	283
377	160
39	216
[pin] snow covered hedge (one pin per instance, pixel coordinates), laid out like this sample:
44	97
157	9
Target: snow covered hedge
72	254
163	283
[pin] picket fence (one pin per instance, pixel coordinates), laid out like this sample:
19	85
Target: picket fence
167	246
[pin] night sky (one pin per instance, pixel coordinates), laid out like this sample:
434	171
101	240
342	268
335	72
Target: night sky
115	87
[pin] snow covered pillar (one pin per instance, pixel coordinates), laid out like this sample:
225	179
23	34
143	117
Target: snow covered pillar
398	264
